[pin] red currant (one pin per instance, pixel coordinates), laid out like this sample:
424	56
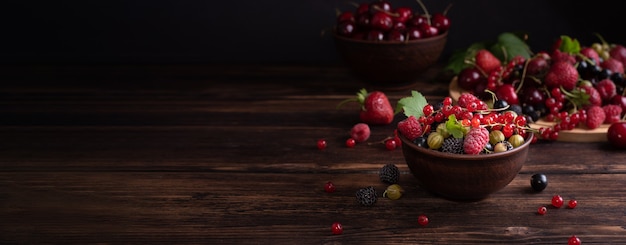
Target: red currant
572	203
422	220
329	187
557	201
350	143
428	109
336	228
321	144
447	101
390	144
542	210
574	240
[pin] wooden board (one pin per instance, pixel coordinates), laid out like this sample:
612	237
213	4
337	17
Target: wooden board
574	135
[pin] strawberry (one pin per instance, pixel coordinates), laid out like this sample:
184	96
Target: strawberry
375	107
613	64
595	117
594	95
562	74
558	56
591	53
486	61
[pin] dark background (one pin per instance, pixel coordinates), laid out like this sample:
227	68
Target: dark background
279	31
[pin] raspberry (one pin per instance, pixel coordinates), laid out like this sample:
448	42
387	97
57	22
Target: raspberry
389	174
410	128
595	117
475	140
594	96
466	98
452	145
613	64
366	196
606	88
360	132
612	113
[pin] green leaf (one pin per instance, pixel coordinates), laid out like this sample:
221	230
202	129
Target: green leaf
454	127
458	60
569	45
509	45
412	105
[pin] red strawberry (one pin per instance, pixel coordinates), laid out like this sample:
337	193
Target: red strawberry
558	56
618	52
375	107
595	117
613	64
486	61
562	74
612	113
410	128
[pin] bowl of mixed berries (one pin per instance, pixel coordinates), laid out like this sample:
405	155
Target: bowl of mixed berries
463	151
390	46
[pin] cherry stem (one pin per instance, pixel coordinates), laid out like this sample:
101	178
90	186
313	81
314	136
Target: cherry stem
521	83
425	10
445	11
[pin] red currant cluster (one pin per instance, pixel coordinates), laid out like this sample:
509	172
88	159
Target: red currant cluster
379	21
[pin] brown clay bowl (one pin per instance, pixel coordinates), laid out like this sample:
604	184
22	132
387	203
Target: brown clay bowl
462	177
390	64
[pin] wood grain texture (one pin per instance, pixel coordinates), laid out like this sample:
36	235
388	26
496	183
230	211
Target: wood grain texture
226	155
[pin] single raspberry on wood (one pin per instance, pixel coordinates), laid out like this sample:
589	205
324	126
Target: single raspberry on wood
475	140
595	117
360	132
410	128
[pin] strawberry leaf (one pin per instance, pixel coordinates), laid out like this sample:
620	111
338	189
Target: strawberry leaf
412	105
510	45
454	127
569	45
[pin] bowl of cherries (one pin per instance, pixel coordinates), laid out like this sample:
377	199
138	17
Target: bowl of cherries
389	46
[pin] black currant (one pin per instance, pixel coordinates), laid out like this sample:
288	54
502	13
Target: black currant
421	142
538	182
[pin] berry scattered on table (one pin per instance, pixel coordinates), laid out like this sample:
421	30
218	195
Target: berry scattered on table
393	192
350	143
542	210
422	220
539	182
390	144
360	132
366	196
389	173
572	203
321	144
336	228
574	240
329	187
557	201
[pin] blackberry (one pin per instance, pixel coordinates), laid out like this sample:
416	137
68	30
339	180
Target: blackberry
452	145
366	196
389	174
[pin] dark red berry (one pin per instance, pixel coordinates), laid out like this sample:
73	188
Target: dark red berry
572	203
350	143
542	210
321	144
329	187
441	22
557	201
422	220
574	240
336	228
390	144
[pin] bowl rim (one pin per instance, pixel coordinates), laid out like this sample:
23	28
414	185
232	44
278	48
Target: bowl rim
414	41
455	156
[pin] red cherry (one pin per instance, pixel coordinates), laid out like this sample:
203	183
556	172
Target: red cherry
402	14
375	35
413	33
336	228
616	134
416	20
619	100
395	35
441	22
507	93
422	220
381	21
345	29
428	30
363	20
364	8
468	78
346	16
380	6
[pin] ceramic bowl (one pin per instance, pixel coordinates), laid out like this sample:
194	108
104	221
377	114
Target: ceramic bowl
463	177
390	64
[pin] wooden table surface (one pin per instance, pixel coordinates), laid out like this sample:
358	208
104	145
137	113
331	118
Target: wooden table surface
221	154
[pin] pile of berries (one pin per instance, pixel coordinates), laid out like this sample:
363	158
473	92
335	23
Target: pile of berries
572	86
468	127
380	21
